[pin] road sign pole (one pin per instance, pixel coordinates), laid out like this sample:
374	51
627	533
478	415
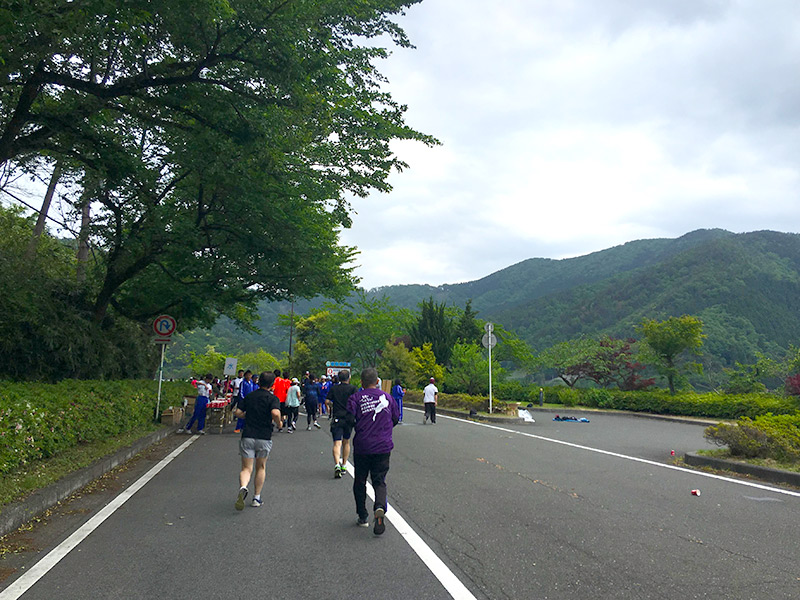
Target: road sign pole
160	374
490	377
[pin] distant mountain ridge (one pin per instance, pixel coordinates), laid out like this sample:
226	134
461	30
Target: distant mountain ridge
745	287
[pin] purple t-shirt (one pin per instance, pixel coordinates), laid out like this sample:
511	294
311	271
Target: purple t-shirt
376	413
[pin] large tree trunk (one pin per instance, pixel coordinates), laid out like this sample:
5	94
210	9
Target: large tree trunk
83	241
48	197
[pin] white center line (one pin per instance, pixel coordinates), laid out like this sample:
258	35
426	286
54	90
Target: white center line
40	569
623	456
441	571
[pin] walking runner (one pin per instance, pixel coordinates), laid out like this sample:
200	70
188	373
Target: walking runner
292	405
260	409
373	413
312	393
431	393
340	428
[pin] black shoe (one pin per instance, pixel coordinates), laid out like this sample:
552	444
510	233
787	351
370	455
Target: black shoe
380	526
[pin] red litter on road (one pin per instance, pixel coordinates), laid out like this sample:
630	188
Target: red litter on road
672	452
695	492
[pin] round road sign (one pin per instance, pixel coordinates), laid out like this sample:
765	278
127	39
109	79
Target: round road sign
164	326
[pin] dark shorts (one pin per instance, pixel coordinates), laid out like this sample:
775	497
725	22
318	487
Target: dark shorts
340	430
283	409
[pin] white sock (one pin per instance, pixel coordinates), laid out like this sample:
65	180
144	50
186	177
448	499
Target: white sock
257	497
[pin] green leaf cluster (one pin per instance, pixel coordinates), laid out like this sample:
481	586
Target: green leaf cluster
40	420
765	436
215	144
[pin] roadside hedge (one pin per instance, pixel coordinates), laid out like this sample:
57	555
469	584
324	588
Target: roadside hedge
713	405
766	436
40	420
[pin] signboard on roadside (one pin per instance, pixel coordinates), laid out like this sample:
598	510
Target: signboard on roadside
333	367
230	366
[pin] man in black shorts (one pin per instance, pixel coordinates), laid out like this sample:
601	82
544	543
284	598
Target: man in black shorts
340	430
259	409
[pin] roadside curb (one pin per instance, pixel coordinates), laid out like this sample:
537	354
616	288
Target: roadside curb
629	413
763	473
567	410
16	514
461	414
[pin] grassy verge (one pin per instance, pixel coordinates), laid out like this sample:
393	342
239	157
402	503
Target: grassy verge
724	453
41	473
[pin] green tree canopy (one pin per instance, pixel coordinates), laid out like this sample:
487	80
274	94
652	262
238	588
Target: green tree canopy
436	327
666	341
214	143
396	363
425	365
469	370
571	360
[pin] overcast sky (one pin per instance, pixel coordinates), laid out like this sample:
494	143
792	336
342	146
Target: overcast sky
570	126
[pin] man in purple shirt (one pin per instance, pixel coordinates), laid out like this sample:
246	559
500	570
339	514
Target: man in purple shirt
373	413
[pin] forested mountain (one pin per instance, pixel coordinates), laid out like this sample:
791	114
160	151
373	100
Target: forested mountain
745	288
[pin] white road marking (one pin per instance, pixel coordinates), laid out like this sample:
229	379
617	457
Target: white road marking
623	456
40	569
441	571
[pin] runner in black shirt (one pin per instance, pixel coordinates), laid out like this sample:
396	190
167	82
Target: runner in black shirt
260	409
340	430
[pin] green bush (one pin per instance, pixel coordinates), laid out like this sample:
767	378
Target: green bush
766	436
715	405
40	420
452	401
516	391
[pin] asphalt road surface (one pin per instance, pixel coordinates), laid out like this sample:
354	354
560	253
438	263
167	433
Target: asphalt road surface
551	510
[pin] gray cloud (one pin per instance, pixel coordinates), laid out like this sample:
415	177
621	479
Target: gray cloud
571	126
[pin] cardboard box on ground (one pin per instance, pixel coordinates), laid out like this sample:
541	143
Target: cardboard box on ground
172	415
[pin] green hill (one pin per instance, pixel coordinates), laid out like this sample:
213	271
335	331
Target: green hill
745	287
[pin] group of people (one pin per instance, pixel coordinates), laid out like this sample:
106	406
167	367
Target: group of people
369	413
268	401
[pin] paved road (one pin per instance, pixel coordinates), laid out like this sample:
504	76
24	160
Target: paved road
510	510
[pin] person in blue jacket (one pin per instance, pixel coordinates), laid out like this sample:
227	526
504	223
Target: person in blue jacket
247	386
324	386
313	392
397	393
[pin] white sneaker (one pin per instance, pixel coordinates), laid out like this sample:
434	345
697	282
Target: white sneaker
202	432
317	425
256	503
308	428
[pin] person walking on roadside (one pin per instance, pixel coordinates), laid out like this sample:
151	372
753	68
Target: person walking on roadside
398	391
247	386
292	405
341	430
312	392
431	397
260	409
373	414
200	405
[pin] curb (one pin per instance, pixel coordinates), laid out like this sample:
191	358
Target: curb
13	515
554	411
763	473
629	413
462	415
